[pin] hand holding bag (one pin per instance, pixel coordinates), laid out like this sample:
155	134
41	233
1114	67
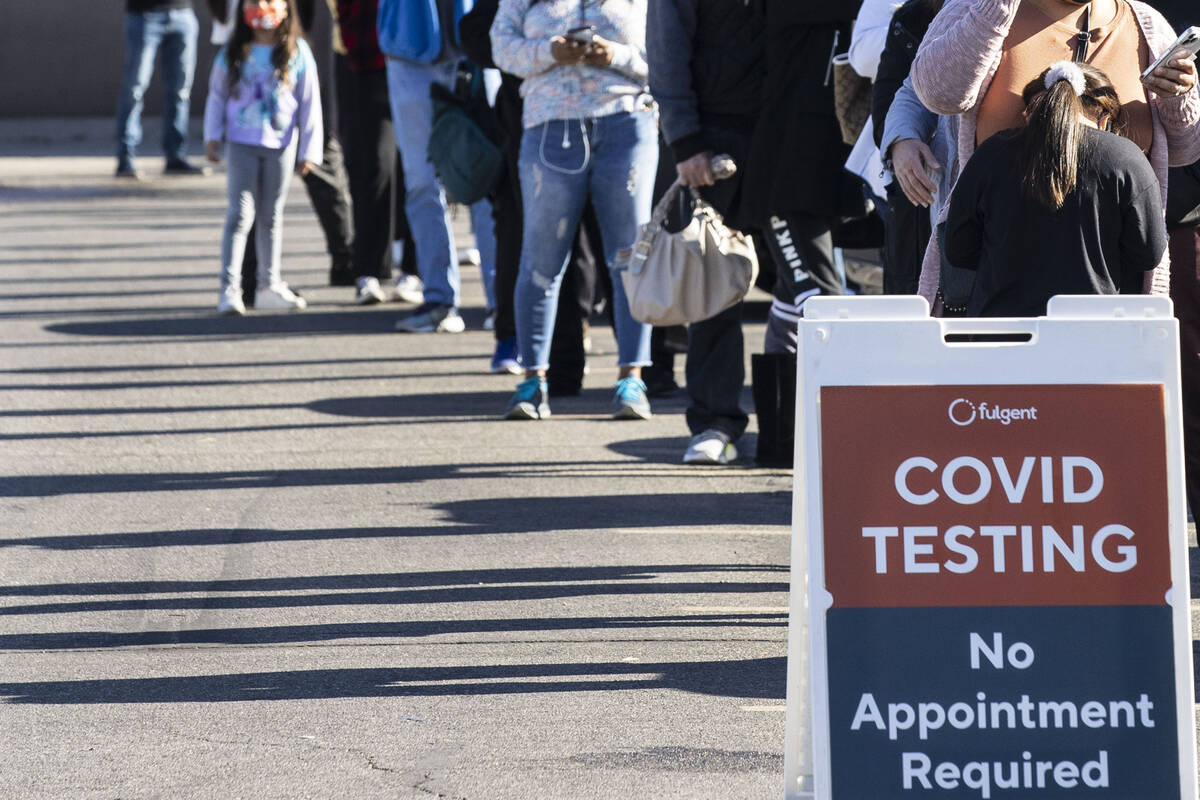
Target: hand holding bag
692	275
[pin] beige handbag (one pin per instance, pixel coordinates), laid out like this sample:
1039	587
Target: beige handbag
851	99
692	275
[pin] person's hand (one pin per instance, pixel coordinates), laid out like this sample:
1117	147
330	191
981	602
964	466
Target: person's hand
697	170
304	167
1175	79
912	160
212	150
567	51
599	53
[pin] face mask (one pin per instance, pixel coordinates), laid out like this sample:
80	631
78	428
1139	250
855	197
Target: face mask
261	20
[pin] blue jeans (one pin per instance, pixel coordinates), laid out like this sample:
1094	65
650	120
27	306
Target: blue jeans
425	205
484	228
174	33
611	159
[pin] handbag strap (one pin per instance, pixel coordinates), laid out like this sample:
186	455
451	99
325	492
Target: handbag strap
663	207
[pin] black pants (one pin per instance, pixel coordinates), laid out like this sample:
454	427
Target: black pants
716	371
329	191
906	238
801	246
506	208
365	119
1185	292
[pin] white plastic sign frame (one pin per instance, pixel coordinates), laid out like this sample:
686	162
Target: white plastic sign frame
893	342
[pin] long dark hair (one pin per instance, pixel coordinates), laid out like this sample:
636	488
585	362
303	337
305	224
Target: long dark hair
1053	137
287	35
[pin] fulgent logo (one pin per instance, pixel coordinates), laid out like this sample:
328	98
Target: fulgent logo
963	412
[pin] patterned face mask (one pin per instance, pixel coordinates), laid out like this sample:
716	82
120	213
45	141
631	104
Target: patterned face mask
264	20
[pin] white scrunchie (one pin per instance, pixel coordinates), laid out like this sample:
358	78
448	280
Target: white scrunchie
1067	71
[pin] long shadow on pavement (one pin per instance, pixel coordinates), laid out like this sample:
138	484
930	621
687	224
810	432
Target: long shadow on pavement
334	632
309	323
762	678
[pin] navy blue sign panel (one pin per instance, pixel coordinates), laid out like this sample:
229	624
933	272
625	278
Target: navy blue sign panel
1003	702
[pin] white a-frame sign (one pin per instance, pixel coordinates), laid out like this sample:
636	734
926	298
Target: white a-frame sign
990	590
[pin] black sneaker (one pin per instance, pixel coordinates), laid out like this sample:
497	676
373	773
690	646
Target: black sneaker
185	168
128	172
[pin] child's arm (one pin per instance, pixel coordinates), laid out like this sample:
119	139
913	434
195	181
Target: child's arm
214	108
308	114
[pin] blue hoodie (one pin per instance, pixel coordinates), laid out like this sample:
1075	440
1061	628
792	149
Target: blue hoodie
416	30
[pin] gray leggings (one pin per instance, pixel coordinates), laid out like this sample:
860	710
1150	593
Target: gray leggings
257	180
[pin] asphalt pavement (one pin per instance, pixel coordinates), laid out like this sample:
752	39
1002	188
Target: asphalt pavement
301	555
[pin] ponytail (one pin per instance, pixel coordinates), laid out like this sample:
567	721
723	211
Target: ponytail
1053	136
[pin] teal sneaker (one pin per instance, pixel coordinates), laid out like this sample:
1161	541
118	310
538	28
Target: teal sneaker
630	401
529	401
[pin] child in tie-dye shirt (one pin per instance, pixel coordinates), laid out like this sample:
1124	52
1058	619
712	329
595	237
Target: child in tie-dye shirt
264	101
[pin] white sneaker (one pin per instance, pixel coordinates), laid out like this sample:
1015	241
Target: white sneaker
409	289
278	298
432	318
710	447
469	257
231	303
368	292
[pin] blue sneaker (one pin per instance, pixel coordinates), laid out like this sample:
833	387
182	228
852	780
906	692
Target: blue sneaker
629	400
506	359
529	401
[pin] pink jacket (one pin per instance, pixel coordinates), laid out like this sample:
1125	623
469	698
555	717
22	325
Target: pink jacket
958	59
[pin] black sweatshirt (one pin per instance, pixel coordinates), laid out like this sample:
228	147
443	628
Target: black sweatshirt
1106	235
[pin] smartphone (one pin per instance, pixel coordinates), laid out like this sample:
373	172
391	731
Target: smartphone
583	35
1186	46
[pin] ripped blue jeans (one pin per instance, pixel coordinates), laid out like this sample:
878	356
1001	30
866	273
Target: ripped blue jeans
613	160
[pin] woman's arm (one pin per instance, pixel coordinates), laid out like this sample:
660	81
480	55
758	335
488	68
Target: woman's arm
907	118
958	52
630	61
514	53
1180	114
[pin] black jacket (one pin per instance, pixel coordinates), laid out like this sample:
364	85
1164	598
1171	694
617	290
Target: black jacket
796	161
706	68
909	24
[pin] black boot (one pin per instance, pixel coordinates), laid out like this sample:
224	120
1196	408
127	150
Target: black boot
773	377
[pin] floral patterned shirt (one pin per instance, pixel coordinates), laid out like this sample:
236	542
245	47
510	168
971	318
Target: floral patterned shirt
521	37
263	110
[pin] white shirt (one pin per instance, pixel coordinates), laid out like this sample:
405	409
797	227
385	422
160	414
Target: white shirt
870	35
221	31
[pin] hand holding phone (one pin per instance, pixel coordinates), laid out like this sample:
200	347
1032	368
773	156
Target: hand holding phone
1167	79
1186	46
583	35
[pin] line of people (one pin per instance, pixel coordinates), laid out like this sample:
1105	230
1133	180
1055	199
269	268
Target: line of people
994	119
